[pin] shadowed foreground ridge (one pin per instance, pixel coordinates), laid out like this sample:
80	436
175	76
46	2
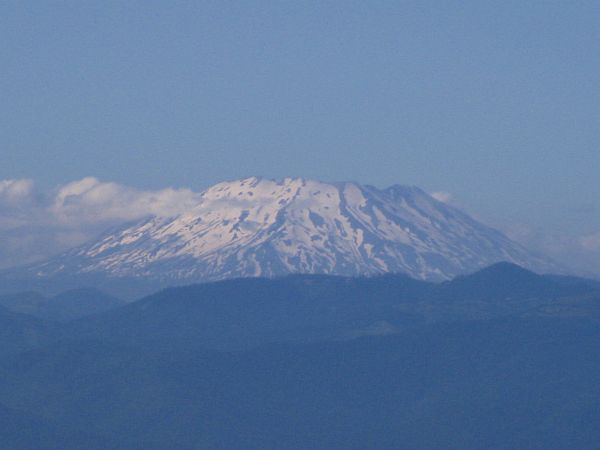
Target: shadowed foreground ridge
503	358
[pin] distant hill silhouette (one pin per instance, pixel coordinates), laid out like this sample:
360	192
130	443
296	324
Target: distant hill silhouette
250	311
20	332
66	306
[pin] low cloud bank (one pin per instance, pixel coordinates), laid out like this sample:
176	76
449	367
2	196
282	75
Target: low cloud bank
35	224
444	197
579	253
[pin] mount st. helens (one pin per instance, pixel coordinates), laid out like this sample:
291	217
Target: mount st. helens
261	227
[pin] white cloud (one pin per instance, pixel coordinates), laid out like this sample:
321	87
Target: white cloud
90	200
441	196
15	191
579	253
35	225
591	242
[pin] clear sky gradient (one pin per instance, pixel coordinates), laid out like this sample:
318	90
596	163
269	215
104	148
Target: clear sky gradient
494	102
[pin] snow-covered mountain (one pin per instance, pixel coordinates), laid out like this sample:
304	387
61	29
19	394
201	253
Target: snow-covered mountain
261	227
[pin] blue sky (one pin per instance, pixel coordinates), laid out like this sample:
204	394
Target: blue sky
496	103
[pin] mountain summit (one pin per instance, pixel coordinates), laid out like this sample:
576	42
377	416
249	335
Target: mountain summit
262	227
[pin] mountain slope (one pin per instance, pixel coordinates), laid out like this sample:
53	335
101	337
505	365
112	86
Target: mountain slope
259	227
77	303
66	306
518	384
509	281
25	431
243	313
28	302
20	332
